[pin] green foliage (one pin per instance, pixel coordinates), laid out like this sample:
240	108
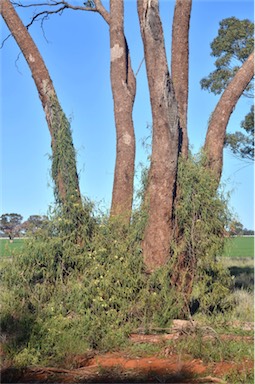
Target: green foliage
34	223
71	296
28	356
235	228
210	348
234	376
10	224
242	144
64	172
201	218
231	47
201	210
74	295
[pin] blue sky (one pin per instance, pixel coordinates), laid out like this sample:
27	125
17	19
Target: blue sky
78	58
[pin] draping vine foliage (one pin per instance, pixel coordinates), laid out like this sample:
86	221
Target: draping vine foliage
92	294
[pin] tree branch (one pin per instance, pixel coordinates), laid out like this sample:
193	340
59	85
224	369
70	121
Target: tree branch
102	11
46	15
53	4
92	6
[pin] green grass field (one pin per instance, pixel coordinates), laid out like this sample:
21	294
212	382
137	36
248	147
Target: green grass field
8	249
239	247
235	247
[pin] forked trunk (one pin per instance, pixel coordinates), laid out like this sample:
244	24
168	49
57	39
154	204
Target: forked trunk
161	188
64	171
123	84
214	142
180	65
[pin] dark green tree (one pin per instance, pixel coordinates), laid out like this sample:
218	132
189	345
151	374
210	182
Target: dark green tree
10	224
232	47
242	144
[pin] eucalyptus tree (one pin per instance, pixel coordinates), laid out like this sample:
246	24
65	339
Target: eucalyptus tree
165	131
10	224
168	98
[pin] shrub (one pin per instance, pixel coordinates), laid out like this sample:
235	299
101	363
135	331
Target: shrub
201	218
84	286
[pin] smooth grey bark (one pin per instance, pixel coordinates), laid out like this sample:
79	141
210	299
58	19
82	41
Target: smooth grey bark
123	84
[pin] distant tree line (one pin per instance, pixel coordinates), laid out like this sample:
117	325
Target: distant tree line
237	229
12	225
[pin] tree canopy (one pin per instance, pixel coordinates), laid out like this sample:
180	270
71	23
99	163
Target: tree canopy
242	143
10	224
231	48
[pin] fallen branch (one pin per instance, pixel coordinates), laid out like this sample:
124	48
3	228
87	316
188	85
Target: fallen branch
212	379
62	370
138	338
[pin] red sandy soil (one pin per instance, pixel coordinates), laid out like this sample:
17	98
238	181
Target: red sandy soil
115	368
165	367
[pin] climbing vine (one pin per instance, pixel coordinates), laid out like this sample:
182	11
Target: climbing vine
64	172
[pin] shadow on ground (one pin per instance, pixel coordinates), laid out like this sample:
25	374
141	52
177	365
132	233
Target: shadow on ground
244	277
113	375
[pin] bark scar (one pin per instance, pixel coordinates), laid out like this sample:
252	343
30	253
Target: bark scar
116	52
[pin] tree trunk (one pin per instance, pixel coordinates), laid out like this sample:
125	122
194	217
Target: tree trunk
123	84
184	270
180	64
161	187
214	142
64	171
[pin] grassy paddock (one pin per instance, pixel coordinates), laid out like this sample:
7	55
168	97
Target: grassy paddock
240	246
8	248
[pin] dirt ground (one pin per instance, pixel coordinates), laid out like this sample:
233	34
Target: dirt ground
115	368
119	367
